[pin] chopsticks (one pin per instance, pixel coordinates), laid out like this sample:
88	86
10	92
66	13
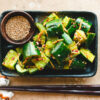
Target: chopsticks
70	89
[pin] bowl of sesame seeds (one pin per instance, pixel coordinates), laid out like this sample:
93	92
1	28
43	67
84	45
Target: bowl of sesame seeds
17	27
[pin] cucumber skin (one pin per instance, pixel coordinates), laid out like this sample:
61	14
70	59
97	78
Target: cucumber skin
78	64
90	38
32	70
54	28
87	54
72	29
30	49
67	38
85	24
11	59
67	22
21	70
60	51
51	17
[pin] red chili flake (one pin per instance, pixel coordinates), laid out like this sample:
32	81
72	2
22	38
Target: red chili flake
76	50
47	19
13	58
41	68
75	34
74	26
3	63
39	49
71	22
44	45
38	59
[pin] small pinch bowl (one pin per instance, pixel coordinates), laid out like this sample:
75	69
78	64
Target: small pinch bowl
12	14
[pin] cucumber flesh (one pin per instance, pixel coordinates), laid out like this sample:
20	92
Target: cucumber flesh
90	38
78	64
87	54
21	70
67	38
80	36
32	70
11	59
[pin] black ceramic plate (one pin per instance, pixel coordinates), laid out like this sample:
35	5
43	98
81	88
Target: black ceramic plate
91	68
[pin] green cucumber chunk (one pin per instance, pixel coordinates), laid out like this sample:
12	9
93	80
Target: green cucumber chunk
72	29
54	28
42	39
67	38
60	51
80	36
42	63
78	64
67	22
40	27
10	59
87	54
51	17
85	25
30	49
21	70
90	38
32	70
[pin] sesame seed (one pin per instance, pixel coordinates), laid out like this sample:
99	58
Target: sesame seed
17	27
58	55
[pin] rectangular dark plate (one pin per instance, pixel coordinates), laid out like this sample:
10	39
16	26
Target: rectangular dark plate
91	68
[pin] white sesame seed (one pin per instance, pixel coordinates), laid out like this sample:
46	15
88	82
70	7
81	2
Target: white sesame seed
17	27
58	55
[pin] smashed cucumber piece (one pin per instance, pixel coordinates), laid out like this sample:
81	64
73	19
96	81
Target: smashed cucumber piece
47	52
67	38
21	70
54	28
66	67
78	64
74	51
32	70
40	27
87	54
72	29
42	39
85	25
11	59
60	52
52	38
73	47
51	17
90	38
35	38
41	36
42	63
49	45
30	49
19	50
80	36
67	22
